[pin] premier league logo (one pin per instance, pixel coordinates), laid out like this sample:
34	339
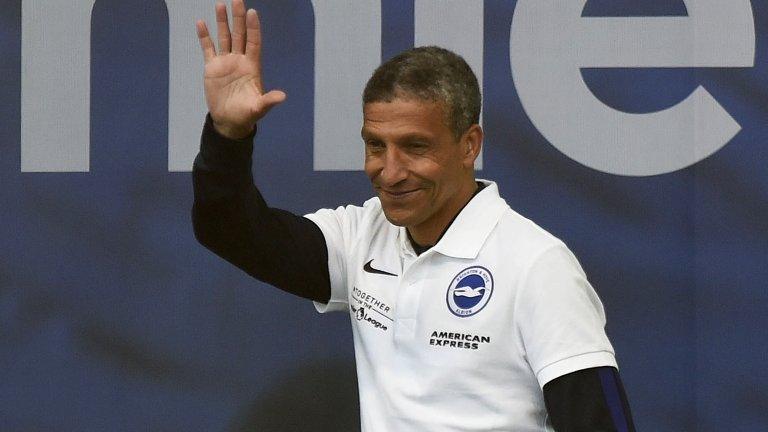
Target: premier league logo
469	291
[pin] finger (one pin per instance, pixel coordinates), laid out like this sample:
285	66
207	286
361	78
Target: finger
238	26
209	50
268	101
222	29
274	97
253	41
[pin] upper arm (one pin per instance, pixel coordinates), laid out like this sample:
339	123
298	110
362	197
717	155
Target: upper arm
560	318
339	228
231	218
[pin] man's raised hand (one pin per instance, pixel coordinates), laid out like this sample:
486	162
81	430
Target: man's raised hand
233	87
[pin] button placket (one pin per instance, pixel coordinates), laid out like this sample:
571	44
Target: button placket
409	296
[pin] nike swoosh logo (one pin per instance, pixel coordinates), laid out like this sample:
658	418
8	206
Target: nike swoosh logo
367	267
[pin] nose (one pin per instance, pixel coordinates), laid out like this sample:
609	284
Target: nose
394	167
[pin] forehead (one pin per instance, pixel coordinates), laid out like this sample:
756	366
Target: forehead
404	116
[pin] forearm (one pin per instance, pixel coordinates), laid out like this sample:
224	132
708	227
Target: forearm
231	218
589	400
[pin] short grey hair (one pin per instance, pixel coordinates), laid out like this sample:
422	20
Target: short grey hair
430	73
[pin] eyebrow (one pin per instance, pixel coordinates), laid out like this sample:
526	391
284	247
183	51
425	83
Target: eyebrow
413	136
416	137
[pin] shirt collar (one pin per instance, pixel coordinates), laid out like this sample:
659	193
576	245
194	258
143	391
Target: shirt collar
472	226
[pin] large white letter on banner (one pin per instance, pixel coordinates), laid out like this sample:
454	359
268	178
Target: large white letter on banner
55	85
457	26
58	33
550	42
186	97
347	50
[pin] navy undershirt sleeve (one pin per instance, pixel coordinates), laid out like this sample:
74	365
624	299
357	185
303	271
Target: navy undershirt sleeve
231	218
589	400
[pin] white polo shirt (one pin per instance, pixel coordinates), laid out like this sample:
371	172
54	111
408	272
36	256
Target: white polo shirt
464	336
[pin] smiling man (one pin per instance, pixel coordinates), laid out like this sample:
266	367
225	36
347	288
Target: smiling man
466	316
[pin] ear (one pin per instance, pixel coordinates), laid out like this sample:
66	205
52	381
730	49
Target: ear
471	144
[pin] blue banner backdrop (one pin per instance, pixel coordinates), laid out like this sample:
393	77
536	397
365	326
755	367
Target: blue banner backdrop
113	318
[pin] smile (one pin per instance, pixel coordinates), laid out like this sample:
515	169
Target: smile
399	195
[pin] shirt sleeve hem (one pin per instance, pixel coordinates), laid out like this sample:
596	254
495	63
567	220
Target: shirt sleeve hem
575	363
338	300
331	306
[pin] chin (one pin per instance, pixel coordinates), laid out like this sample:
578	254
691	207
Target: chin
396	221
399	218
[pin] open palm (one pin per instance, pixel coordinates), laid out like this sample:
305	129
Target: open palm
233	85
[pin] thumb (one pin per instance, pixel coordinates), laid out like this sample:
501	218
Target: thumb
269	100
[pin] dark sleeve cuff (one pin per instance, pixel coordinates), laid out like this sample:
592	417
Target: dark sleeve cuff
589	400
220	152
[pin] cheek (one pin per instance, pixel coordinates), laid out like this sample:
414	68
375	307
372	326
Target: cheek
446	180
371	168
437	173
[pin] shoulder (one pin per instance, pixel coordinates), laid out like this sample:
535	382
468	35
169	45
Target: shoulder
350	220
527	255
526	240
506	235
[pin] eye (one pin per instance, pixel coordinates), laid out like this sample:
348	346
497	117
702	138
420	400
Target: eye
417	146
374	145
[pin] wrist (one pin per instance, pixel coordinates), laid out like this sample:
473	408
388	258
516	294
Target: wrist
233	132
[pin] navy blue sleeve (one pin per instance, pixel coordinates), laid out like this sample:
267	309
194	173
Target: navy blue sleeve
231	218
589	400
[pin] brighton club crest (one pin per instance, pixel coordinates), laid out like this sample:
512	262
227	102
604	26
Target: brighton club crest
469	291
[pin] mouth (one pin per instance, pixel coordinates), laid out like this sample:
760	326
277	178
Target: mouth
398	195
